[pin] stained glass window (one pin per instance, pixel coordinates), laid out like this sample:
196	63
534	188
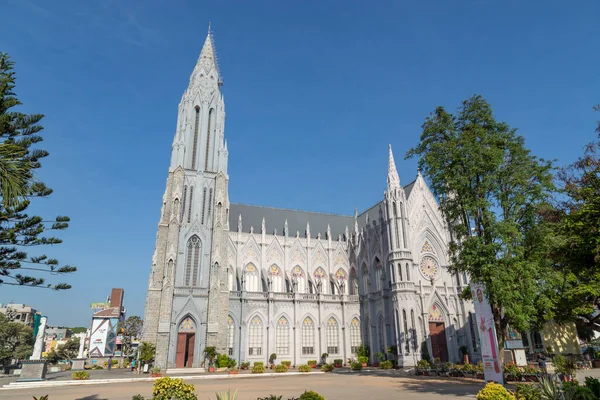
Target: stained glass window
427	248
187	326
308	336
192	261
332	336
355	340
255	337
282	336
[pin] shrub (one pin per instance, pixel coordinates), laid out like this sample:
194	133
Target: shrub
222	361
327	367
155	370
363	359
573	391
272	358
226	395
310	395
312	362
385	365
356	366
280	368
494	391
259	363
258	369
231	363
44	397
169	388
270	397
244	365
362	351
338	361
286	363
423	364
527	392
512	369
304	368
81	375
594	385
138	397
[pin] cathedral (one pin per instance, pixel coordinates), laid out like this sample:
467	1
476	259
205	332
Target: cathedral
253	281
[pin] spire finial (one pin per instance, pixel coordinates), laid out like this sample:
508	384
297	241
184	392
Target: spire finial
393	180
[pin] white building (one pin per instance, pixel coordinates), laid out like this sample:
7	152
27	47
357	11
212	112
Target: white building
257	280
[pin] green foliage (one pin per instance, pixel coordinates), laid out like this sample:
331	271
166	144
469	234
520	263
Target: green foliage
564	365
147	352
286	363
425	352
310	395
231	363
226	395
44	397
327	367
138	397
527	392
513	369
304	368
211	353
130	329
363	359
270	397
491	189
258	369
423	364
16	340
338	361
494	391
272	358
312	362
464	350
385	364
155	370
244	365
594	385
362	351
550	389
78	329
281	368
169	388
259	363
19	183
356	366
222	361
572	391
81	375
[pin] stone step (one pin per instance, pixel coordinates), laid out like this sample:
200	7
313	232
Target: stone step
185	370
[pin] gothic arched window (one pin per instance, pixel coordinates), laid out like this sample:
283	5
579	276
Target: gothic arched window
282	336
252	279
333	338
183	203
299	278
395	222
400	272
355	340
230	334
192	264
203	204
195	144
211	117
190	205
255	336
308	336
407	272
354	282
276	279
230	280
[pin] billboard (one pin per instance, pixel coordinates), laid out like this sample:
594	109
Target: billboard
98	306
103	337
487	334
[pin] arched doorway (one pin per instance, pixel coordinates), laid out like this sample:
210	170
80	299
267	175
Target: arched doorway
437	333
186	336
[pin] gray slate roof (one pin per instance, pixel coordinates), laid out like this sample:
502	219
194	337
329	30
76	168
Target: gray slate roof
275	219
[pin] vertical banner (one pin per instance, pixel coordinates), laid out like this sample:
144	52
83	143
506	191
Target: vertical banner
487	333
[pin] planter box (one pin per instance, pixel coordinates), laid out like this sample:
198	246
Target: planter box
312	365
156	375
233	372
337	365
222	369
364	364
530	378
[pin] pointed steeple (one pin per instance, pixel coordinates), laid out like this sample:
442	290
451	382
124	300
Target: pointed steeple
393	180
208	56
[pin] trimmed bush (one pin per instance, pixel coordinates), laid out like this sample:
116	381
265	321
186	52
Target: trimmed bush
423	364
356	366
338	362
222	361
81	375
304	368
280	368
257	363
327	367
169	388
258	369
286	363
494	391
138	397
312	362
363	359
385	365
527	392
310	395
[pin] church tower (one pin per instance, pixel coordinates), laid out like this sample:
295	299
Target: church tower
186	304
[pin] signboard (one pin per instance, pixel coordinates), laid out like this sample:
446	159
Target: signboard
487	333
103	337
99	306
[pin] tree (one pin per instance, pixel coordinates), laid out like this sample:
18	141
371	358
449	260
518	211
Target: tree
490	190
130	329
18	163
78	329
16	341
65	351
576	253
147	352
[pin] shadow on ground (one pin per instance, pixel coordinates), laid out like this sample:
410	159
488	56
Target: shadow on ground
91	397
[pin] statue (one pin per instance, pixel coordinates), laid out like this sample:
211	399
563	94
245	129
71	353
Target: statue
39	340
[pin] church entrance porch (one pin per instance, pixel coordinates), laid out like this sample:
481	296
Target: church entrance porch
439	346
186	338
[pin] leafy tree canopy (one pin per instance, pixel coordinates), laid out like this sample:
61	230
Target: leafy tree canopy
130	329
490	190
18	186
16	341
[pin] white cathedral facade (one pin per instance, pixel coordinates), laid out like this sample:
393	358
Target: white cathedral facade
253	281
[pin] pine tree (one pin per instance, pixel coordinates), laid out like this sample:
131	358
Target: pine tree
18	186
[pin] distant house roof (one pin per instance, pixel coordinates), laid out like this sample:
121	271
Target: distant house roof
275	219
114	312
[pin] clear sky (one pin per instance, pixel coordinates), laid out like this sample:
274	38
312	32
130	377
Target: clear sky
314	91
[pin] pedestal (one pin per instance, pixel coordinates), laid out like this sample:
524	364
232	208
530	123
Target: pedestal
33	370
78	364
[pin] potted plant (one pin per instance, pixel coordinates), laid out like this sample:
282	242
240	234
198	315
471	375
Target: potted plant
338	363
244	365
363	360
231	366
512	372
156	372
272	359
324	358
312	363
356	366
211	353
232	371
147	353
287	364
423	367
379	357
530	373
464	351
565	366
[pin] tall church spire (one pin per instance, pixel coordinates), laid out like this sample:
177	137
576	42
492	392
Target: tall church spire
393	180
208	56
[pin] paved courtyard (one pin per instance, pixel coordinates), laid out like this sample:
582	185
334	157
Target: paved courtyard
331	386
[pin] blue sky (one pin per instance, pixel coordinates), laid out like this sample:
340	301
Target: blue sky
314	91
